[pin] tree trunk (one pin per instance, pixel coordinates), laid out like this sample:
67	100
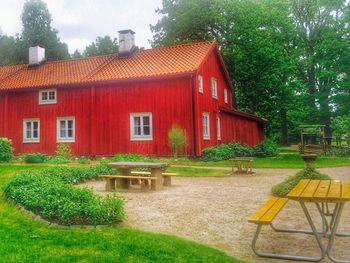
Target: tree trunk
284	126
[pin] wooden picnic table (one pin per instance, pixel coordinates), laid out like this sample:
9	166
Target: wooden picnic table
323	193
242	164
124	170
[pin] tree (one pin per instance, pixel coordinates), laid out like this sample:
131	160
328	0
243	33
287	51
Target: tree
103	46
77	54
37	30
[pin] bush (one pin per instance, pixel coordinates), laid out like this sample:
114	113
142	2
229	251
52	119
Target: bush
84	160
226	151
177	140
338	152
35	158
6	150
267	148
50	194
282	189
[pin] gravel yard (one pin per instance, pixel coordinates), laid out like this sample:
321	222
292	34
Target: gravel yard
214	211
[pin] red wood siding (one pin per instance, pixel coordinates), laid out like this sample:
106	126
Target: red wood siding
102	117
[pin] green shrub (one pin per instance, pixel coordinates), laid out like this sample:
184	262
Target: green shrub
267	148
84	160
338	152
6	150
282	189
50	194
177	140
226	151
35	158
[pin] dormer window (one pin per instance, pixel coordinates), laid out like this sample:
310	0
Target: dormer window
214	88
48	96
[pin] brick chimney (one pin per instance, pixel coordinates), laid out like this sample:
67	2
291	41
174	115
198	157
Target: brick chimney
36	56
126	43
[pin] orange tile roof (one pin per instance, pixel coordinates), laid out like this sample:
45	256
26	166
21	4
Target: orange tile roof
156	62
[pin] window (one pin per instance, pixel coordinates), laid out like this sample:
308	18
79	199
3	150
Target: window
218	127
48	96
31	131
214	89
66	129
206	128
225	96
200	83
141	126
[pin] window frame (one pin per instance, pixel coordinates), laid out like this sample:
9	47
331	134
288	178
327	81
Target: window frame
31	140
200	84
48	100
218	128
206	115
226	96
142	137
214	88
58	129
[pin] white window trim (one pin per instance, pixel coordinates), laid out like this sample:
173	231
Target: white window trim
134	137
66	139
48	101
218	127
200	81
225	96
206	136
30	140
214	89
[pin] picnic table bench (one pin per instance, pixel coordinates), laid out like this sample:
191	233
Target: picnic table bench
319	192
243	165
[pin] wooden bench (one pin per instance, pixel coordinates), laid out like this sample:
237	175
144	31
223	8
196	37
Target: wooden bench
243	165
112	179
166	176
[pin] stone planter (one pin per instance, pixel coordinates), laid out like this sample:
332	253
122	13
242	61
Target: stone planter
309	160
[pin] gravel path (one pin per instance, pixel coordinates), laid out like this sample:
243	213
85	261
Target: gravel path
214	212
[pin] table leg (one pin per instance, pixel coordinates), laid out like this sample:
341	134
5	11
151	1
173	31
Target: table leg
124	183
333	234
157	184
110	184
314	230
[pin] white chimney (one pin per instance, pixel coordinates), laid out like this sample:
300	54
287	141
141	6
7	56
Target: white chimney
36	56
126	42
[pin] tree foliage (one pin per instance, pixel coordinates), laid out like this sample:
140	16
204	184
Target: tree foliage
287	59
103	46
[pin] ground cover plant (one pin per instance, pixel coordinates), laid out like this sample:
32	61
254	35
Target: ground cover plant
283	188
35	158
50	194
23	239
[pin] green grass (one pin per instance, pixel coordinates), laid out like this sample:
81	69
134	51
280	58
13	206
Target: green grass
287	161
25	240
197	172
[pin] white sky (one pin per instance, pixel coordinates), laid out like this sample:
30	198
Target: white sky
79	22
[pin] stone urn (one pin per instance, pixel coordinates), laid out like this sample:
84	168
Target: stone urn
309	160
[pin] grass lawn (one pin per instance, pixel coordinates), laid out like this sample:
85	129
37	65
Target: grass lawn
24	240
196	172
281	161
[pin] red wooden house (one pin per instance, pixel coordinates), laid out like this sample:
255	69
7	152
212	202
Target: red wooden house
123	103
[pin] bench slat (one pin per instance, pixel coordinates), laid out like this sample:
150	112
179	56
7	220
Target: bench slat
170	174
137	173
258	214
273	212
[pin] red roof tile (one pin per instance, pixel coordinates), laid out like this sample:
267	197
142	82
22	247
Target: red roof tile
148	63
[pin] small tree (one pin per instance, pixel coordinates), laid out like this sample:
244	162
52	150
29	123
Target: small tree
177	140
63	151
6	150
341	128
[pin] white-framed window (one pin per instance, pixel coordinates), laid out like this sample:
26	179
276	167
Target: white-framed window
225	96
200	83
218	127
206	126
31	130
214	88
141	126
66	129
48	96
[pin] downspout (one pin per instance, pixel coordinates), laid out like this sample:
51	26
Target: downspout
194	126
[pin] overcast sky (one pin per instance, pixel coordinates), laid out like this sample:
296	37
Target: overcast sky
79	22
